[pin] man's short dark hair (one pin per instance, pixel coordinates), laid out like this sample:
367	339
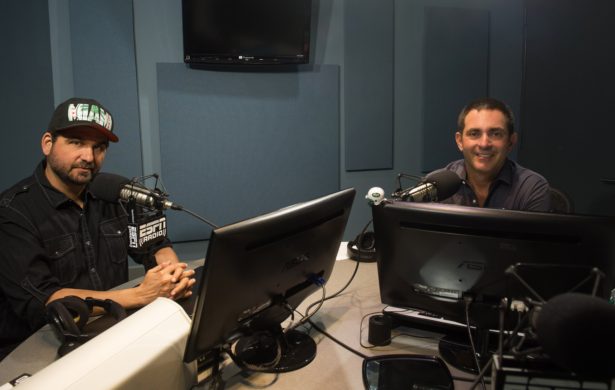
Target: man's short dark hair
487	104
54	137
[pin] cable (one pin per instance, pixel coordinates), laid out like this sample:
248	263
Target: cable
307	313
305	317
336	340
468	301
215	381
360	241
456	378
182	208
365	356
462	379
354	273
481	376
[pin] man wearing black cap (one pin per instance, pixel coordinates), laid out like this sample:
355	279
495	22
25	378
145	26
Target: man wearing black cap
58	239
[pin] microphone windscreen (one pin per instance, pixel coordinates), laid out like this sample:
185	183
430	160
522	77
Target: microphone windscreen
446	182
576	331
107	186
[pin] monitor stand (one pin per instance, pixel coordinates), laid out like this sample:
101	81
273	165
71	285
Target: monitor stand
454	347
274	351
457	351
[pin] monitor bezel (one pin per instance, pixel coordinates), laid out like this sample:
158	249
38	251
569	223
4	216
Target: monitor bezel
306	231
593	235
195	56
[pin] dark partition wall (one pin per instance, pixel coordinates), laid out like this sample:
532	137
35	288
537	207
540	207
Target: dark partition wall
103	51
368	84
26	86
568	100
456	70
238	144
386	52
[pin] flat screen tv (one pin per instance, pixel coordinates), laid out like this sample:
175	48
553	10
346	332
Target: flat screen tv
256	272
249	32
434	257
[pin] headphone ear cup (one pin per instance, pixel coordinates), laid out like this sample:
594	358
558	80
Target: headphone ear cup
258	350
78	309
69	313
67	317
113	308
62	321
368	241
116	310
363	247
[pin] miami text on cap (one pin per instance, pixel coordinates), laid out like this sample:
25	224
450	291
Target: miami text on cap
80	112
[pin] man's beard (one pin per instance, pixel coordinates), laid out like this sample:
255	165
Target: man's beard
65	175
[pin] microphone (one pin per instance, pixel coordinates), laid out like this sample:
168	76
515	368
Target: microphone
113	188
438	185
144	228
576	331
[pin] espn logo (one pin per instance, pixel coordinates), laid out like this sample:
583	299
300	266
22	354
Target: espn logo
145	234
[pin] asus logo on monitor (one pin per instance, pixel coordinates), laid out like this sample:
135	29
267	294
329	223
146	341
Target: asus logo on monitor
472	265
296	261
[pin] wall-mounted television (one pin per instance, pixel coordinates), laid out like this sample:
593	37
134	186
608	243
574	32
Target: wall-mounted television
246	31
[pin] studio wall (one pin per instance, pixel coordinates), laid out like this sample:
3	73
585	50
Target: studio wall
398	87
26	86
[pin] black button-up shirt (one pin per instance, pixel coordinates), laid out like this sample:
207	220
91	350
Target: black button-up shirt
515	188
47	243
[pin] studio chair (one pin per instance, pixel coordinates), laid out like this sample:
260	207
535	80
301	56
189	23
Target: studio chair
561	203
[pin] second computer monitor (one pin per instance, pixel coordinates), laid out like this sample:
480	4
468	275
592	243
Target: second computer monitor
436	257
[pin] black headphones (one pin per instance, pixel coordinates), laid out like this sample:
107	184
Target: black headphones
69	315
363	248
259	351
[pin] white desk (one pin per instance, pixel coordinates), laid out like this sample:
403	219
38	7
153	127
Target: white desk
333	368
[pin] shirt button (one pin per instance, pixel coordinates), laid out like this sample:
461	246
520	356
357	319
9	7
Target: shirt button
93	270
119	232
474	201
88	243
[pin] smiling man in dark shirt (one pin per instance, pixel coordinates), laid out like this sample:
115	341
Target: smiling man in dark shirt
59	239
485	136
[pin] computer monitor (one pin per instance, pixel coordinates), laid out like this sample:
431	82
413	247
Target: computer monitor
256	272
434	257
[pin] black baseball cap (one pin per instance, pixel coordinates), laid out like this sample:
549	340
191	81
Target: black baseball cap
82	112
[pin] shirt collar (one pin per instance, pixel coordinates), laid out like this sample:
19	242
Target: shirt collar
505	175
53	196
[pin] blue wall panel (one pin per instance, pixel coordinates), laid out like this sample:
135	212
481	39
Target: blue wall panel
456	70
26	86
238	144
104	68
368	84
